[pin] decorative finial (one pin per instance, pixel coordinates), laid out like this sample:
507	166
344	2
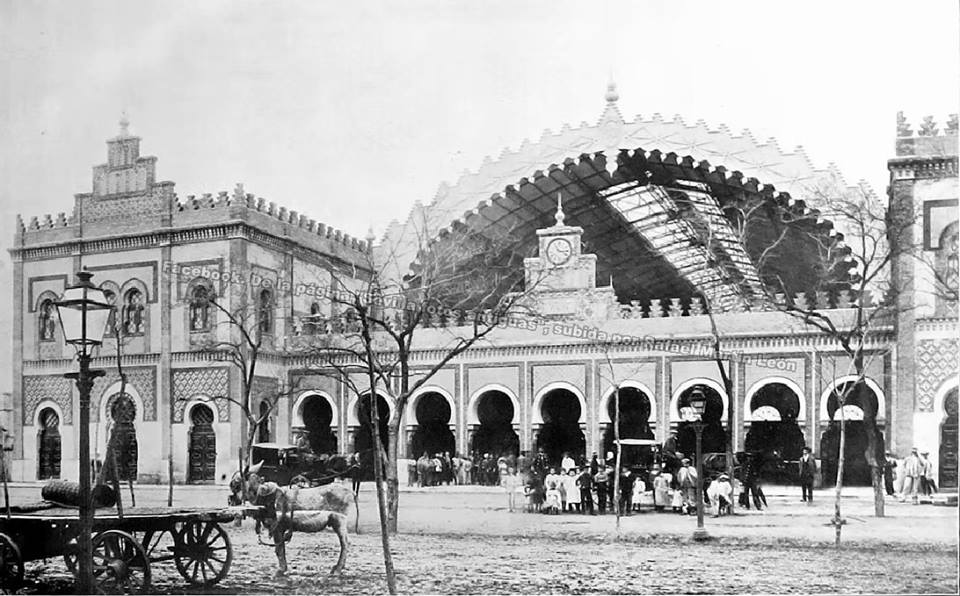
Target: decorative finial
928	128
559	216
903	129
124	124
370	235
612	96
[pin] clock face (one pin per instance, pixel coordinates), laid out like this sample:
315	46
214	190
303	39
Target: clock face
559	251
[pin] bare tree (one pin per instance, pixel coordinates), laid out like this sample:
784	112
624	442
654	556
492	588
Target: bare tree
724	235
462	287
850	267
242	349
610	373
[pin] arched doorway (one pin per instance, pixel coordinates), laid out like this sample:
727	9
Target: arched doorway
203	446
634	424
561	432
948	442
774	411
317	417
860	398
123	412
714	439
363	441
433	434
48	444
495	434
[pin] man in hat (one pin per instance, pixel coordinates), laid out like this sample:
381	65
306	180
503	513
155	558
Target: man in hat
720	493
687	479
927	485
808	469
912	470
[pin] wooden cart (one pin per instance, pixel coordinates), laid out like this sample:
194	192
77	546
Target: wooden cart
124	547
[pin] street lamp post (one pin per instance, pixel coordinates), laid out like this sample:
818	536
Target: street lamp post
83	312
698	401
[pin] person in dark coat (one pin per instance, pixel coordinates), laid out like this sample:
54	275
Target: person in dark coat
626	490
808	469
889	464
600	481
585	482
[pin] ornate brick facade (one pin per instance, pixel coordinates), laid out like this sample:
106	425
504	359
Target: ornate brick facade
195	382
936	362
42	387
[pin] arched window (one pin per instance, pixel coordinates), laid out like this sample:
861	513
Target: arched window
48	323
200	319
111	297
265	312
263	432
948	270
133	313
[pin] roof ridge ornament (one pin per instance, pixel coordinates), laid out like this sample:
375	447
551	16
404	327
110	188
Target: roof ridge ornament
124	124
611	95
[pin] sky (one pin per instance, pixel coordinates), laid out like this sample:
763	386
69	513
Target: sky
349	112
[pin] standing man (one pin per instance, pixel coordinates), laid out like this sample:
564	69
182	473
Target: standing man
585	482
889	463
808	469
912	469
927	485
687	478
600	481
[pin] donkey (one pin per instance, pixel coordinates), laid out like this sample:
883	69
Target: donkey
289	509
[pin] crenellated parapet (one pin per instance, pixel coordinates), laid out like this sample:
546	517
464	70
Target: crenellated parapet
224	207
929	141
45	228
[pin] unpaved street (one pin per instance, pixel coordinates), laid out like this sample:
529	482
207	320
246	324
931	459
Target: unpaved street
467	543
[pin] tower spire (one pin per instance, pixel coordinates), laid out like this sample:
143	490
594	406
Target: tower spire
611	95
124	124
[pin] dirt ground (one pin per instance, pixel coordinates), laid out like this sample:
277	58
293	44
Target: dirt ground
468	543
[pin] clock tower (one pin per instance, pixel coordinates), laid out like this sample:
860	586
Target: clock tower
562	281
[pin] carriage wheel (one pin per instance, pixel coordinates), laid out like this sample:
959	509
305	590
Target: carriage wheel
202	552
11	563
120	564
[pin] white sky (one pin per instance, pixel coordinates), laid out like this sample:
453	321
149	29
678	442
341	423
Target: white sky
348	112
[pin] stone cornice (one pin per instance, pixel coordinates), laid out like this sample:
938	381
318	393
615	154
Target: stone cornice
936	326
923	167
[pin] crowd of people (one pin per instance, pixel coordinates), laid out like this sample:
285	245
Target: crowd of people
588	487
914	479
669	483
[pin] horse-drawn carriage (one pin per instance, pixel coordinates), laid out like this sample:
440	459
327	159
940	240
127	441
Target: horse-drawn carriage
288	464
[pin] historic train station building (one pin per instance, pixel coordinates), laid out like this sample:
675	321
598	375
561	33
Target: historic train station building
622	265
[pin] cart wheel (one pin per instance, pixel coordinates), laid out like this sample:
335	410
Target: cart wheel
119	563
202	552
11	563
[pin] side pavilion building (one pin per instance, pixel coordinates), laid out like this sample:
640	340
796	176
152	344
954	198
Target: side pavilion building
625	262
